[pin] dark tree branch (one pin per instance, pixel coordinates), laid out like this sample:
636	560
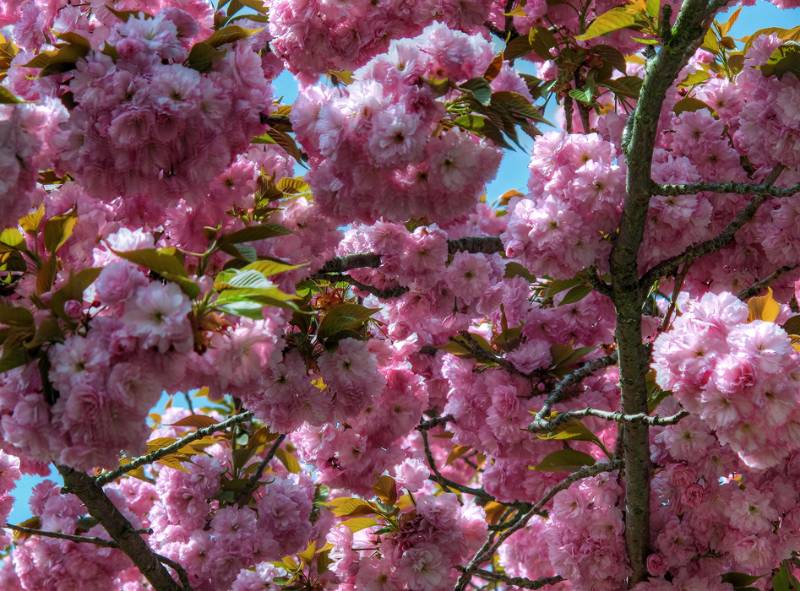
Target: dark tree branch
119	528
107	477
476	244
389	292
253	483
639	140
351	261
695	251
521	582
370	260
754	289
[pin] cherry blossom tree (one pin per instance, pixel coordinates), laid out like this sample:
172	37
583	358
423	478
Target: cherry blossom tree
389	380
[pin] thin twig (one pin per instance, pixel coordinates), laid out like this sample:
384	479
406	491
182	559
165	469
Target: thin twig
107	477
725	237
389	292
619	417
573	378
754	289
181	572
253	483
495	540
521	582
437	476
97	542
767	188
62	536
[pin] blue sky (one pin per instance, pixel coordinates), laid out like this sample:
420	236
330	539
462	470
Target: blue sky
512	173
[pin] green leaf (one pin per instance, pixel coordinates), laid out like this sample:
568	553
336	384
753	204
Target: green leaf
573	430
615	19
8	98
159	260
13	357
785	58
514	269
653	7
344	317
564	460
576	294
739	579
541	40
584	95
478	88
482	126
285	141
783	580
124	15
73	289
58	229
166	262
56	61
626	86
253	233
690	104
250	302
611	56
15	315
792	326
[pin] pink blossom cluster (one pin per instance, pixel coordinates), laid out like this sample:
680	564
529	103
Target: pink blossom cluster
145	124
48	563
352	453
584	535
374	147
214	541
26	135
421	555
315	37
576	187
738	377
101	385
712	514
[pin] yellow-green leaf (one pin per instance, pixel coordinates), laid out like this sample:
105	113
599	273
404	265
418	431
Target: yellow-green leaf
348	506
288	459
58	229
269	268
358	523
615	19
690	104
8	98
344	317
